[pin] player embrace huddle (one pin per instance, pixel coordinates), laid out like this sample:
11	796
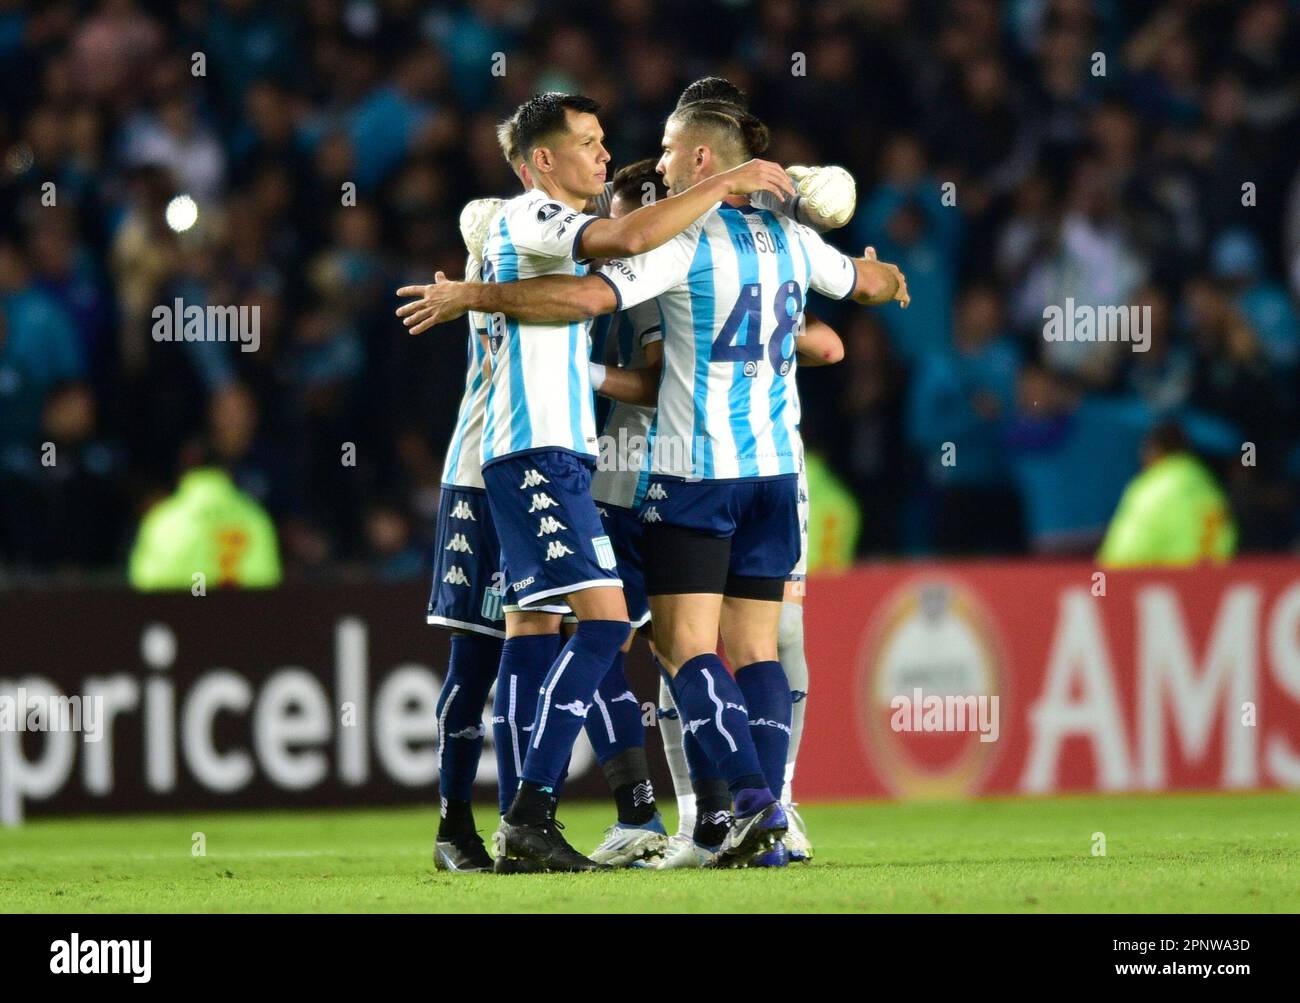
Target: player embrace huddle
698	536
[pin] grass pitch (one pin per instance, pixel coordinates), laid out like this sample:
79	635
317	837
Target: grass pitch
1192	853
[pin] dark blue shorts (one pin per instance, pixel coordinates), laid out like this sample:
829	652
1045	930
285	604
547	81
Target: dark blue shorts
552	539
760	518
625	531
467	583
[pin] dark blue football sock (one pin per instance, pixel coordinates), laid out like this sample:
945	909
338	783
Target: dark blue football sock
470	674
614	724
713	712
771	708
525	661
567	695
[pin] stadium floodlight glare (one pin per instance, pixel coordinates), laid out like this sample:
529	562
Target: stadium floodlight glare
182	213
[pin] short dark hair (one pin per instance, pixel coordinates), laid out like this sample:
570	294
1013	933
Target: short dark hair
630	182
543	115
714	89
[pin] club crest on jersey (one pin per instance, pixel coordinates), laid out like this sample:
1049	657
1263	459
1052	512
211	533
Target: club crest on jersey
459	544
656	492
491	607
604	552
541	502
651	515
556	549
461	510
456	576
532	478
549	524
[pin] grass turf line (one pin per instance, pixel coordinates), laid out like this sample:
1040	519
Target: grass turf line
1171	853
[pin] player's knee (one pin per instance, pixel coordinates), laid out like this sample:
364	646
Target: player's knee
603	636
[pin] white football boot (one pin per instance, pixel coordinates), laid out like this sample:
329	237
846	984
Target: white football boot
796	837
632	845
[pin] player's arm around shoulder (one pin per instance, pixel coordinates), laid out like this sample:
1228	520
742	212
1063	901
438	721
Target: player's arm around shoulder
879	282
653	225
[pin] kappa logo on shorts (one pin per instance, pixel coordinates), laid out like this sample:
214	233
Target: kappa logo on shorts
461	510
604	552
469	732
532	478
459	544
651	515
541	502
602	512
577	708
556	549
627	695
691	727
656	492
549	524
456	576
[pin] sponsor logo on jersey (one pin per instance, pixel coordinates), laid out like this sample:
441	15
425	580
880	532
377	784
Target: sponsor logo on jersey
456	576
556	549
577	708
651	515
532	478
656	492
549	524
541	502
461	510
604	552
459	544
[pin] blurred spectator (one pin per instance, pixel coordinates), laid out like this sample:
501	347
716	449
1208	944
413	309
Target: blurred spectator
1172	514
208	528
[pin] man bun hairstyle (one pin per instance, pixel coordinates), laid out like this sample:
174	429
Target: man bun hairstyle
737	134
542	117
714	89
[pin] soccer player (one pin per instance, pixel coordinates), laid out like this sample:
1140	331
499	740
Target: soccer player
721	509
539	435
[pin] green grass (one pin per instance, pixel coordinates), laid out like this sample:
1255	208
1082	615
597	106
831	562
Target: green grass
1194	853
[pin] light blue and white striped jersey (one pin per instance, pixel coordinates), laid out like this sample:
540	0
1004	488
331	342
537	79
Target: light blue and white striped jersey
623	467
463	465
539	396
731	290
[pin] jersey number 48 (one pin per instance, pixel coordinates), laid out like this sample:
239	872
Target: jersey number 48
746	320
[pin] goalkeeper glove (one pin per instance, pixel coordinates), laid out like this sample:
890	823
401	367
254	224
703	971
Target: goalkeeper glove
474	220
828	193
